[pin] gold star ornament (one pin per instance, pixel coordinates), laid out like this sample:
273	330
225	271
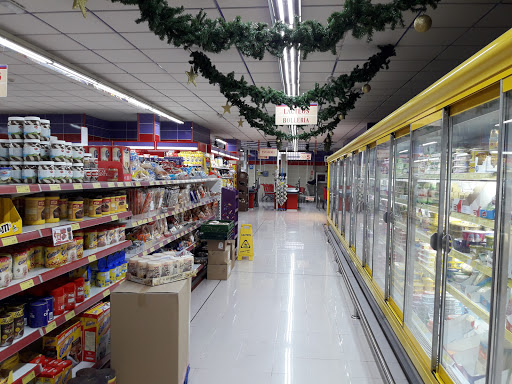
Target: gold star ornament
227	107
80	4
240	123
192	76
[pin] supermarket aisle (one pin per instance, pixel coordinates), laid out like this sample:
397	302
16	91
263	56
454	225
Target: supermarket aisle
282	318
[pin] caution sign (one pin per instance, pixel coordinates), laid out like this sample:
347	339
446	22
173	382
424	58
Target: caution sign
245	243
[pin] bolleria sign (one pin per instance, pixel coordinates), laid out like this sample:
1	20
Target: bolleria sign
297	116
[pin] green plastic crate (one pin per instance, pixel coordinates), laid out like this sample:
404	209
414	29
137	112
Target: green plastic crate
218	228
216	235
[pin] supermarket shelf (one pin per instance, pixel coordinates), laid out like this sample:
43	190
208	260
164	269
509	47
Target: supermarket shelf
40	275
152	246
32	232
12	189
26	373
87	364
144	218
473	219
460	176
33	334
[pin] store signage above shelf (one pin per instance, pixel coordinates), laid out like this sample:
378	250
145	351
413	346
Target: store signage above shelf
3	80
265	153
297	116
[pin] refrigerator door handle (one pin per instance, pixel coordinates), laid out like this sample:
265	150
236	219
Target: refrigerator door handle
433	241
447	243
386	217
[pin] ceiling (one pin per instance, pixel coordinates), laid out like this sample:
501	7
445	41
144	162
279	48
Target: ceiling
109	44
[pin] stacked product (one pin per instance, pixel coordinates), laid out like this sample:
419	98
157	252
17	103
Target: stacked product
160	268
31	155
221	248
243	191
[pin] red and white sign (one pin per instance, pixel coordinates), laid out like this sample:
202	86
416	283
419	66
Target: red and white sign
3	80
265	153
297	116
62	235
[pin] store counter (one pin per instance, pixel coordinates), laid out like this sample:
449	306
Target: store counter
292	201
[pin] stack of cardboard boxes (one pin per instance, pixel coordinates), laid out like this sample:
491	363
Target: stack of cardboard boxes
243	192
221	259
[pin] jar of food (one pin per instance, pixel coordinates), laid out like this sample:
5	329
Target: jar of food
5	269
6	329
70	291
53	257
110	236
70	251
15	127
18	316
87	175
19	263
29	172
94	175
121	236
68	151
60	172
34	210
63	207
102	237
51	209
91	239
49	301
44	147
76	209
121	205
113	204
57	151
77	153
105	207
46	172
87	160
5	174
80	289
79	240
103	278
5	144
69	173
16	150
16	167
32	128
59	301
78	172
37	260
38	314
45	130
31	150
95	207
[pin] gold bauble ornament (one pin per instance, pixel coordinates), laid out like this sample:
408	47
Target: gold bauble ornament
240	123
423	23
80	4
192	76
366	88
341	116
227	107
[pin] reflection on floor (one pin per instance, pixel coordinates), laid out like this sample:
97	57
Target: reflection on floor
283	318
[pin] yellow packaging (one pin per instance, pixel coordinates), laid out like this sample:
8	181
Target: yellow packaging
63	342
96	332
76	210
113	204
103	279
95	208
37	256
79	241
51	209
121	205
63	208
30	256
91	239
106	205
53	256
34	210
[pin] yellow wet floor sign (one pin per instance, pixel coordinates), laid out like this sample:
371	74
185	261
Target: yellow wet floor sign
245	243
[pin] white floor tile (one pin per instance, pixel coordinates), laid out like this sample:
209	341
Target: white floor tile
282	318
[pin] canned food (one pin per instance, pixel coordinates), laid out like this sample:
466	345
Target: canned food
51	209
35	210
6	329
76	209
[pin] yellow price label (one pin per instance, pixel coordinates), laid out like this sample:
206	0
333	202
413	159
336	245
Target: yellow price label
22	189
69	315
106	293
114	217
27	379
54	187
92	258
110	184
10	240
27	284
77	186
75	226
137	183
50	327
96	185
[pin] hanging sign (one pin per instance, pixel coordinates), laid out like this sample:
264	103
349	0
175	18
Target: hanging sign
3	80
62	235
297	116
265	153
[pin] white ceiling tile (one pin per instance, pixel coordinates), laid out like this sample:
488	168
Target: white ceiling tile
25	69
74	22
137	68
168	55
243	3
123	21
104	69
106	5
123	55
146	40
25	24
266	77
80	57
459	15
155	77
257	14
480	36
50	42
120	78
95	41
317	66
320	13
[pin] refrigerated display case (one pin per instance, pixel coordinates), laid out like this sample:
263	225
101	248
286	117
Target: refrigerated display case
432	229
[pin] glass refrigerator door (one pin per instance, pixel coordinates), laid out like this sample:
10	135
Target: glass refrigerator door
332	183
381	229
471	205
370	208
423	223
401	147
335	193
359	202
348	197
341	184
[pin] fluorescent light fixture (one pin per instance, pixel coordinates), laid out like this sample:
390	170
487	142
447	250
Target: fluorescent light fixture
176	147
429	143
12	6
24	51
140	147
221	141
77	76
404	151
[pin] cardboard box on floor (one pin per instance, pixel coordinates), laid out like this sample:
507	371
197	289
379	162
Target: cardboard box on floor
220	257
218	272
150	332
217	245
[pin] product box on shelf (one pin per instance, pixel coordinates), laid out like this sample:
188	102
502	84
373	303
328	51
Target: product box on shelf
96	332
65	342
218	272
153	282
150	329
112	171
10	220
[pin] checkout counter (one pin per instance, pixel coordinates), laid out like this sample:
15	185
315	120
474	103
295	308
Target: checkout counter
292	201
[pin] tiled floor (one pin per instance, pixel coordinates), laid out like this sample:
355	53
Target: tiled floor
283	318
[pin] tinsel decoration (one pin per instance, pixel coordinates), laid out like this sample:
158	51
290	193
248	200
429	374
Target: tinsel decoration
327	143
281	193
423	23
279	144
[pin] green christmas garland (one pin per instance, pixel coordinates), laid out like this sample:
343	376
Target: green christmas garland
361	17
